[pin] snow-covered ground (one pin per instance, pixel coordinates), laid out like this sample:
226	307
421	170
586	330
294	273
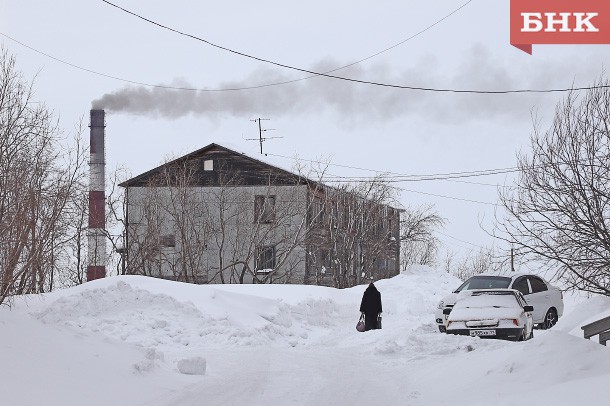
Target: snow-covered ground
140	341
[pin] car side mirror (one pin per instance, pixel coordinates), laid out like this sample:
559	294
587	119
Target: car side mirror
528	308
447	311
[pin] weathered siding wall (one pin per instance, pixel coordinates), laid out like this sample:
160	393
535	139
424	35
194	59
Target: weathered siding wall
190	233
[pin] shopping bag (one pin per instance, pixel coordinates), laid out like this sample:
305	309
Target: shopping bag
360	325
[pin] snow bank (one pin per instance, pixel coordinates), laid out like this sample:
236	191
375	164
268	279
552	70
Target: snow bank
127	312
162	314
585	312
53	365
136	340
539	370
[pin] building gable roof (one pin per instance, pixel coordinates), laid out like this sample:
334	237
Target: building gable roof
249	171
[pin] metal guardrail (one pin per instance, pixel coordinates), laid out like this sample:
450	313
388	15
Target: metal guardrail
601	327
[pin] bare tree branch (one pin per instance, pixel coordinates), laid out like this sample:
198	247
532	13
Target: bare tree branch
559	209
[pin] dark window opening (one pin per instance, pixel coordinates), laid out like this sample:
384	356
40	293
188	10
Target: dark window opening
265	258
521	286
168	240
325	259
538	284
264	209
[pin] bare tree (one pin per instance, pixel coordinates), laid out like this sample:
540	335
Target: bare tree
70	255
419	245
182	207
260	245
212	234
270	227
144	232
227	214
116	221
559	208
162	212
477	262
448	261
75	273
40	183
352	231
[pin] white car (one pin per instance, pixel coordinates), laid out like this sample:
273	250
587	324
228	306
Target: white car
546	299
492	313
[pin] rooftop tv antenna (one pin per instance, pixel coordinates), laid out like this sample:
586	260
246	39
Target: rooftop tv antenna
260	138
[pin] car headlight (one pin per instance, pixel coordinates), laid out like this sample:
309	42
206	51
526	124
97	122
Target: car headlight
441	304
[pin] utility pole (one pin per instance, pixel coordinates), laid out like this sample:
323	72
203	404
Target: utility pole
512	259
260	138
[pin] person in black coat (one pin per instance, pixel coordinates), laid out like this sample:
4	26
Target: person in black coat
371	306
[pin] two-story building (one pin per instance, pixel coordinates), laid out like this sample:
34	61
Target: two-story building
219	216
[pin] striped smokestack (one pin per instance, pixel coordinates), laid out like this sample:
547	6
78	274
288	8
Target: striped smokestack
97	220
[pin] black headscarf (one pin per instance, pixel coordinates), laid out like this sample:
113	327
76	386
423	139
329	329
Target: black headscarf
371	301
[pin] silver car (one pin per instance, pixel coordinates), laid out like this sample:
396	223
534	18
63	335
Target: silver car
546	299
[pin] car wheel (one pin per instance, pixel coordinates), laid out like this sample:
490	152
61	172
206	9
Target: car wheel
550	319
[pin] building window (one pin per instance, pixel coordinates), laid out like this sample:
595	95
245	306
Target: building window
322	259
167	240
264	209
208	165
265	258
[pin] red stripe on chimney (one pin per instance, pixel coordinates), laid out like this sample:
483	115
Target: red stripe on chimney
95	272
96	209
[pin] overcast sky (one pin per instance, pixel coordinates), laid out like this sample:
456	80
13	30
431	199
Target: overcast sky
380	129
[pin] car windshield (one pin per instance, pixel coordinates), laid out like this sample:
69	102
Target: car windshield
488	299
485	282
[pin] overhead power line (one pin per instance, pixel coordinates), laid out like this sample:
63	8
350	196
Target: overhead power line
234	88
414	178
395	45
402	177
366	82
133	82
449	197
457	239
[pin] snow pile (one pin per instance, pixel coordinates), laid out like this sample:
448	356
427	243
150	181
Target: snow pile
584	313
220	317
192	366
142	341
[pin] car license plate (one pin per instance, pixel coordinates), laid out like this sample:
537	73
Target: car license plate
480	333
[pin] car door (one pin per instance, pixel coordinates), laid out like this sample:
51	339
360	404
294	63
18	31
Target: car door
539	298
